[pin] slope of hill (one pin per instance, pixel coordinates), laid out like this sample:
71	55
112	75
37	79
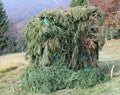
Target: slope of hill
108	56
19	12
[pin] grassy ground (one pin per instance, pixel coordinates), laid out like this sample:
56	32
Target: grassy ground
110	55
7	61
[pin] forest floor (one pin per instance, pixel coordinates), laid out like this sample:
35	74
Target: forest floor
12	66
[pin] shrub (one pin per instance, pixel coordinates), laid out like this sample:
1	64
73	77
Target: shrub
57	77
117	35
14	45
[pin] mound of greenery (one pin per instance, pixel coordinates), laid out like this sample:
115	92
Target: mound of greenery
57	77
73	37
63	47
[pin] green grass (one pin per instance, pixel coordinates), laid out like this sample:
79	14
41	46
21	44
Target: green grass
108	57
7	69
111	87
11	66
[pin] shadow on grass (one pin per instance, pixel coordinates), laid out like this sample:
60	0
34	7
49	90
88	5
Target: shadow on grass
105	66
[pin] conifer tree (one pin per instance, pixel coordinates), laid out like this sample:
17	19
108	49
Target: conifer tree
3	26
75	3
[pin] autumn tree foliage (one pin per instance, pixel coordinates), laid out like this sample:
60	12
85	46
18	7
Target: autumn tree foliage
110	9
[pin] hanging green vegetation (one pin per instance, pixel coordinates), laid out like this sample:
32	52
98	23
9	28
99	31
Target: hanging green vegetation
72	37
63	46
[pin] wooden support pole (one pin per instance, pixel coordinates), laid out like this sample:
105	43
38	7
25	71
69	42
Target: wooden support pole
111	72
13	86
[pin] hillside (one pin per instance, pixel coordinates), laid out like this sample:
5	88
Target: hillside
109	55
19	14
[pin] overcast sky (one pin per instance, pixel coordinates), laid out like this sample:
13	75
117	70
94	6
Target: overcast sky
26	7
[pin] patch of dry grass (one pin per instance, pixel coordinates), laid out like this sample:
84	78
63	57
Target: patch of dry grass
8	62
110	51
11	59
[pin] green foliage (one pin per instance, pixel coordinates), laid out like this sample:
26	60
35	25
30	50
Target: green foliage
71	36
3	26
60	42
14	46
57	77
117	35
112	34
75	3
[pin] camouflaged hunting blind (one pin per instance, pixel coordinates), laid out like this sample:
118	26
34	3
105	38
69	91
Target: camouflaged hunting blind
71	37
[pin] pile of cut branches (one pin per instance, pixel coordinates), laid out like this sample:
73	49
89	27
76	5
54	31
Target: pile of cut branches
72	37
63	46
